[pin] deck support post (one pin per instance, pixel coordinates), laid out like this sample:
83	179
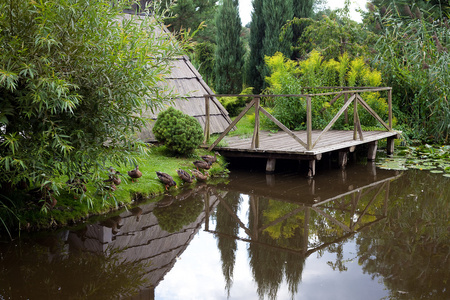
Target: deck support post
343	158
372	152
390	145
312	168
270	165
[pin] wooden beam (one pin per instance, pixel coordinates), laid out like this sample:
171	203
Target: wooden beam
207	122
334	100
390	145
339	113
232	124
372	153
284	128
343	158
372	112
312	168
309	123
390	108
357	123
255	139
270	165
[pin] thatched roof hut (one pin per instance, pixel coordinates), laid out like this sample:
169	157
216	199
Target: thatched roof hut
187	83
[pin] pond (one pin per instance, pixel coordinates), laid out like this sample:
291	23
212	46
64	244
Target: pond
358	233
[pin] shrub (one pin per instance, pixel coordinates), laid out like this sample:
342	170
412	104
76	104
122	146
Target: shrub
289	77
179	132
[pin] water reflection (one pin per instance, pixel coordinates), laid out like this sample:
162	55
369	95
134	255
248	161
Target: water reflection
272	231
114	258
282	231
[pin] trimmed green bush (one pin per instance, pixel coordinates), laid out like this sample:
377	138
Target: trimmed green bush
179	132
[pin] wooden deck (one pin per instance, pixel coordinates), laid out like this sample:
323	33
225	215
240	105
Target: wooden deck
309	144
281	145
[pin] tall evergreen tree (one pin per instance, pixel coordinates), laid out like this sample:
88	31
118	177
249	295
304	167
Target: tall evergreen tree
229	50
268	18
276	14
256	58
302	9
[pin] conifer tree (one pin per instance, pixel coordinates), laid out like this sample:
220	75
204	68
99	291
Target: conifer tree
268	18
302	9
229	54
256	58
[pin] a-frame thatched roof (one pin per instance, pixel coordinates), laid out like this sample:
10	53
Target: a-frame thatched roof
187	83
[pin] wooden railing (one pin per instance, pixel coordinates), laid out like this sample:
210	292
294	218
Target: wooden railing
354	98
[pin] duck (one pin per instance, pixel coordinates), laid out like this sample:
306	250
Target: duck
201	164
199	175
135	173
114	178
166	179
185	176
210	158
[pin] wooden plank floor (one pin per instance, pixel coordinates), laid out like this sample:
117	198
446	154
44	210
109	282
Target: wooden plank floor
282	144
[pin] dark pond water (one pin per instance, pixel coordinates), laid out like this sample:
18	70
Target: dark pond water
359	233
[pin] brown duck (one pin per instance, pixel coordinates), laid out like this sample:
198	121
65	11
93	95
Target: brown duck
166	179
185	176
135	173
114	177
201	164
199	175
210	158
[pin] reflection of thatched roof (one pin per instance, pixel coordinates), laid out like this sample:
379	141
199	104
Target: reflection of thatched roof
141	239
187	83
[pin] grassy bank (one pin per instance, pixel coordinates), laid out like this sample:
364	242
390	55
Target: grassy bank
72	207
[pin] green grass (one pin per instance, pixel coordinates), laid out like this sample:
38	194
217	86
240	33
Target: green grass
69	210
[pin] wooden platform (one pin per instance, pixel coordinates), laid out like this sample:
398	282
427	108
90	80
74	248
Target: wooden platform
309	144
282	146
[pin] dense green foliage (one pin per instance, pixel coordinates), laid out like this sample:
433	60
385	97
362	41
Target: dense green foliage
229	55
268	23
301	9
289	77
333	36
204	61
73	79
413	56
26	213
273	14
255	63
436	9
179	132
188	15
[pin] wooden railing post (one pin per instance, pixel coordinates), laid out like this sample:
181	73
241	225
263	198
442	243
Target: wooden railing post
346	111
390	108
255	139
308	123
355	118
207	122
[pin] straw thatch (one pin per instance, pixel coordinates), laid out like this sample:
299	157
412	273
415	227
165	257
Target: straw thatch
189	87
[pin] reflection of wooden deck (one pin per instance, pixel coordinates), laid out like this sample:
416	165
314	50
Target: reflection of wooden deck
281	145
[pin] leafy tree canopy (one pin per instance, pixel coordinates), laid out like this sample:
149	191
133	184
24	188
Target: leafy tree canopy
74	77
